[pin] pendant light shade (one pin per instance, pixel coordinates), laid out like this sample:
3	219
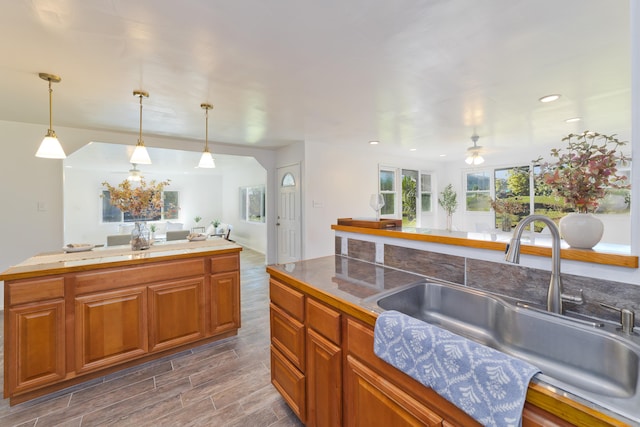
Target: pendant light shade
50	147
140	155
473	153
206	160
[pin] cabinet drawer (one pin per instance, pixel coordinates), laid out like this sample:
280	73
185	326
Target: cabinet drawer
289	382
35	290
287	335
323	320
115	278
224	263
288	299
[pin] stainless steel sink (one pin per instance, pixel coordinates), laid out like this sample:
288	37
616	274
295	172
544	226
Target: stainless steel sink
591	362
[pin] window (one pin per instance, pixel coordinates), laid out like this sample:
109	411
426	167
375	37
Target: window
425	193
617	200
171	205
288	180
388	190
512	190
252	203
478	191
170	209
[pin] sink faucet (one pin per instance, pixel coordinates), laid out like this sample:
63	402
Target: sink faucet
512	254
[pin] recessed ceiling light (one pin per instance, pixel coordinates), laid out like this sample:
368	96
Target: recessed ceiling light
374	142
549	98
443	155
573	120
412	149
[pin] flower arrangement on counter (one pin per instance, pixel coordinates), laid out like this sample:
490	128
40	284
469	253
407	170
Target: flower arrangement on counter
141	200
585	169
507	206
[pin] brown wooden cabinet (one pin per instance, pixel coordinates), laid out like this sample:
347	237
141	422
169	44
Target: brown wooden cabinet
371	400
225	302
62	328
36	349
34	333
110	327
176	313
323	364
324	381
225	293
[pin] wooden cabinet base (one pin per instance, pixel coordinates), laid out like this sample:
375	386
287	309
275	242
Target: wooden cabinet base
64	328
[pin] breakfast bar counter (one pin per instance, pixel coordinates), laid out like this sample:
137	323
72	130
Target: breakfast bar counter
70	317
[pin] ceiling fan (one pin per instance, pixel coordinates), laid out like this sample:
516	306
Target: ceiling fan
474	156
135	174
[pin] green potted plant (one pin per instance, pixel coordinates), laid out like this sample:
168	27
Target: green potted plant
448	201
581	175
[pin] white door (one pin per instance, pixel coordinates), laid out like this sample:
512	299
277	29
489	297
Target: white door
288	222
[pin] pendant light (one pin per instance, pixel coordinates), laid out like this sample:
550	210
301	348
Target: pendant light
473	153
50	147
206	161
140	155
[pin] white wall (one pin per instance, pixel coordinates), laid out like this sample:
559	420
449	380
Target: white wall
337	184
249	234
199	196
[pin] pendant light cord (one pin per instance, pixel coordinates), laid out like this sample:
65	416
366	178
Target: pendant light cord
206	133
140	137
50	107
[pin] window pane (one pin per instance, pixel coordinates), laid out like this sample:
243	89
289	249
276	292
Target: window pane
288	180
171	206
387	179
478	181
426	202
425	183
478	201
109	212
409	196
389	204
256	204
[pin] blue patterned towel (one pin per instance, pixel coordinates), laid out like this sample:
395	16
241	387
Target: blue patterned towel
488	385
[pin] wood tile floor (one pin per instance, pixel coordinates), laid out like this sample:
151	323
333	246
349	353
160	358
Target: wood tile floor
226	383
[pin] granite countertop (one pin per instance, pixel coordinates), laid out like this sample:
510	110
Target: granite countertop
347	279
60	261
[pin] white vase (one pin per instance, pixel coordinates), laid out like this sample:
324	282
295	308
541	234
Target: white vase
581	230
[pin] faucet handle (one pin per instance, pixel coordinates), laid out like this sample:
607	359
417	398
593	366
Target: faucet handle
627	317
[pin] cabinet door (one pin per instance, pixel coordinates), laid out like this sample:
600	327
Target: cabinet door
289	382
111	327
225	302
36	345
371	400
324	382
176	313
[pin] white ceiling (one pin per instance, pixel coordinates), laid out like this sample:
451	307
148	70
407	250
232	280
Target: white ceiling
411	73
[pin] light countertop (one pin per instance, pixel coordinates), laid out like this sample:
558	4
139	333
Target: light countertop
60	262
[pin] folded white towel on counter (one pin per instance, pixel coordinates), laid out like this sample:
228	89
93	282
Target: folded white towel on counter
487	384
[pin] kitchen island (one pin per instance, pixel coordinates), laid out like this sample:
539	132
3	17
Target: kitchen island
322	359
70	317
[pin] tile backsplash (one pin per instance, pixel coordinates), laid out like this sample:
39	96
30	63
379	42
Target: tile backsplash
515	281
